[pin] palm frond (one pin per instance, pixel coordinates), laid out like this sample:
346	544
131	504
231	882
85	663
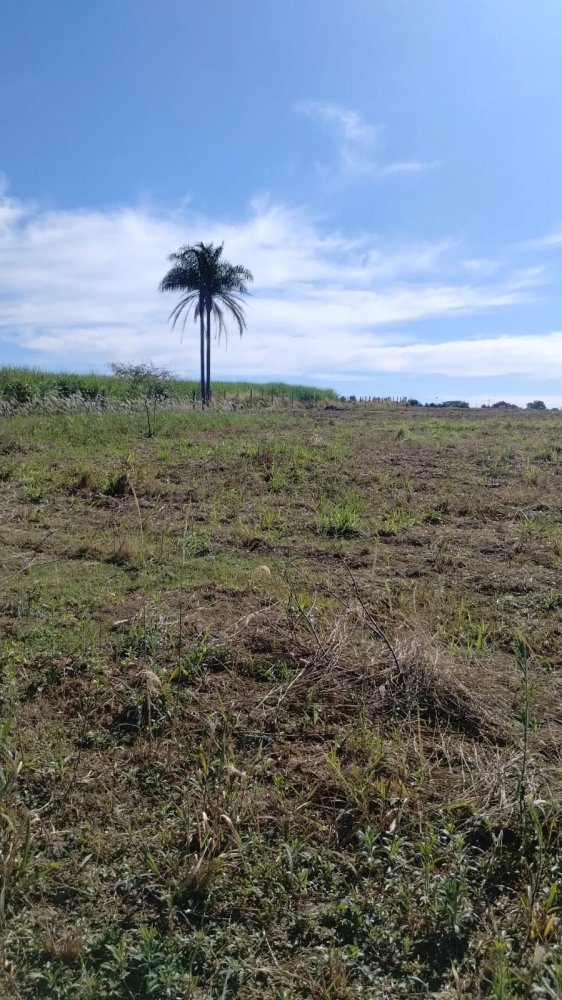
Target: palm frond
218	314
182	277
235	308
185	305
240	273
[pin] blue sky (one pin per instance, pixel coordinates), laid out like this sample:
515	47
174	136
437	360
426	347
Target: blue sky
391	171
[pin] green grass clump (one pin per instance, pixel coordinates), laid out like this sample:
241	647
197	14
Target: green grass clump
340	520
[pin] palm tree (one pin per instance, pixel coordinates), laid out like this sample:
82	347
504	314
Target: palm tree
210	286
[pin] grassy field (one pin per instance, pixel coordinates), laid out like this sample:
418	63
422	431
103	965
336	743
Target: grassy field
281	705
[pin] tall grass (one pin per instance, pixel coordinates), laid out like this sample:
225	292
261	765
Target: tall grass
24	385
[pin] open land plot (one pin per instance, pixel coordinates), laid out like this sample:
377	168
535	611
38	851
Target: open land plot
281	705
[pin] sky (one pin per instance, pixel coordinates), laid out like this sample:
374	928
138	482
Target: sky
390	170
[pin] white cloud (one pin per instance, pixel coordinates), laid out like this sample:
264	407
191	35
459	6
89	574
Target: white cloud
349	123
81	287
552	241
538	356
358	143
483	267
407	167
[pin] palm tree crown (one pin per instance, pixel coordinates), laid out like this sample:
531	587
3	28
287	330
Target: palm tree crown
210	287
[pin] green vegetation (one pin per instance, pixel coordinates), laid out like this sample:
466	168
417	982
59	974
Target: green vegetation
280	701
23	385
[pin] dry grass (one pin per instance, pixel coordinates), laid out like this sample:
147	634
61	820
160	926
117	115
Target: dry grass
466	692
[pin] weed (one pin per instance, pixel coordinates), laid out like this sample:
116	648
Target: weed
396	521
197	545
531	474
17	863
276	479
340	520
402	433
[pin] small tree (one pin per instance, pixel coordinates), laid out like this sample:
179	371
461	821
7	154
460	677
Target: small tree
148	382
537	404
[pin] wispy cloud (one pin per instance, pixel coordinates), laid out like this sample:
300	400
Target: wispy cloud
407	167
482	266
349	123
552	241
359	143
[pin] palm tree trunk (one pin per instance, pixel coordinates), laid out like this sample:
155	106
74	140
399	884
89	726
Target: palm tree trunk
202	333
208	393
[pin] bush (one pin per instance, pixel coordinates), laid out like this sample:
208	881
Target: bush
536	405
149	381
